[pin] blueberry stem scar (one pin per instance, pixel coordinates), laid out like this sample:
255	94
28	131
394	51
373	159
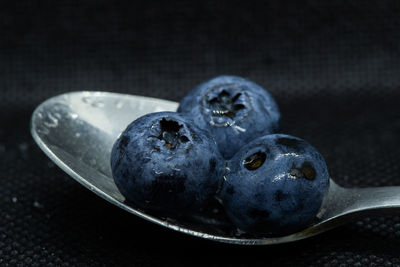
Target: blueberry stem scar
254	161
224	104
307	171
169	132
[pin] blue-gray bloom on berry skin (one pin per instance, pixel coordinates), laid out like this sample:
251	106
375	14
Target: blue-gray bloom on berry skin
234	110
275	185
162	162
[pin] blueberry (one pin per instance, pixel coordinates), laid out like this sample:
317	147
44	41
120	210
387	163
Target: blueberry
275	185
235	110
163	163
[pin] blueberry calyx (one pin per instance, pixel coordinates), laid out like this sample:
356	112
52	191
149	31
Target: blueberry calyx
307	171
254	161
224	104
170	133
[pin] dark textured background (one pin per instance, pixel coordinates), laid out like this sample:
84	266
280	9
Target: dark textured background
333	68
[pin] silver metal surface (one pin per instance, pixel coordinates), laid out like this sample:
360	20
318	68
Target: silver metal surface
77	130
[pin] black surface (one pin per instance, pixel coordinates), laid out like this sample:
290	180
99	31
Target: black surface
333	68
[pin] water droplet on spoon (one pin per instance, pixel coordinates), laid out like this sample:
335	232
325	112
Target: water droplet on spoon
73	116
87	99
119	104
98	104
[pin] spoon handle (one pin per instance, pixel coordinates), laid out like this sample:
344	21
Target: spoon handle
373	198
360	201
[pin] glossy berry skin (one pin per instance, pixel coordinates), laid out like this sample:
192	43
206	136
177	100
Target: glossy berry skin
275	185
163	163
235	110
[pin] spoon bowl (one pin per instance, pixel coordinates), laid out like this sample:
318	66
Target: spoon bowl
77	131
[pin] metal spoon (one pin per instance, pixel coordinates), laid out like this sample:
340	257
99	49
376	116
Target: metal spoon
77	130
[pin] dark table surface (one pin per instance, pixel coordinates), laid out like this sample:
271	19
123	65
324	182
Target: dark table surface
333	68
